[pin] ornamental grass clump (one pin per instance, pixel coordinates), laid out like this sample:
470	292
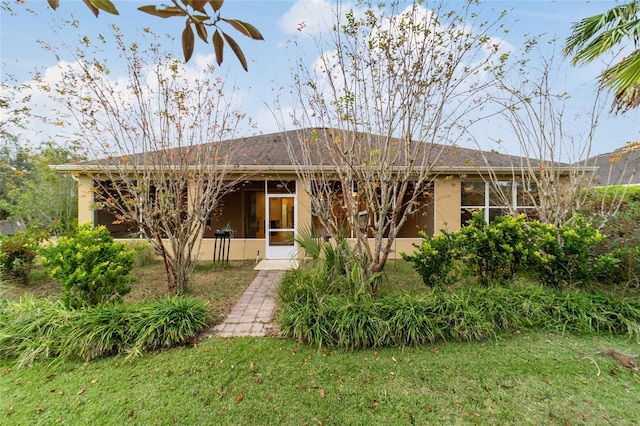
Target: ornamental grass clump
167	322
465	313
39	329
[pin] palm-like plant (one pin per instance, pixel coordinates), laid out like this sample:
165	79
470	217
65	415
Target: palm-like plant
595	35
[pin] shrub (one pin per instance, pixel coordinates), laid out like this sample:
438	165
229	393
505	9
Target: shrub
337	259
622	231
434	258
17	254
496	251
627	270
565	255
571	254
39	329
623	242
90	266
462	314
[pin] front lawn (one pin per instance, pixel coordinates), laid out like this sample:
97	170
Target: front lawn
537	379
524	378
219	285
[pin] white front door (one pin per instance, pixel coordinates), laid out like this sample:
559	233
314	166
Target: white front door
280	226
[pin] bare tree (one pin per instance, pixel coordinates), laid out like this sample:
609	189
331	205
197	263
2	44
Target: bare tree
161	166
391	93
555	142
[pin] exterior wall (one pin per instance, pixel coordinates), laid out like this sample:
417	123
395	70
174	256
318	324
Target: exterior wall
447	201
446	216
304	211
239	249
85	198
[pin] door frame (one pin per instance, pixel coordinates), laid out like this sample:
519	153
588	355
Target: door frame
280	252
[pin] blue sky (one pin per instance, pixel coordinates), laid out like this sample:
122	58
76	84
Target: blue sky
269	60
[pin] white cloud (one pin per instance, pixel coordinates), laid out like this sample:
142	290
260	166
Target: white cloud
50	119
309	17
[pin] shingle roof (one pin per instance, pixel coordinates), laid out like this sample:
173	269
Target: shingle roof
270	150
617	167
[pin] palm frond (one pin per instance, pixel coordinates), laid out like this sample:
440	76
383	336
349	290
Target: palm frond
307	239
596	34
623	79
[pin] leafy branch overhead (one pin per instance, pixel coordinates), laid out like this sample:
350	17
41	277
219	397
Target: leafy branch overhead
595	35
198	14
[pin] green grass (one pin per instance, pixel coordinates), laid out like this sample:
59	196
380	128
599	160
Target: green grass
538	379
519	378
219	286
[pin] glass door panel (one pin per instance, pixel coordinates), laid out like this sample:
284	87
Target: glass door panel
281	226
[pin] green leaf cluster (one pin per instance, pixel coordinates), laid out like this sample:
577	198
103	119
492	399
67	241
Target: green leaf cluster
494	253
434	258
90	266
338	267
499	250
17	254
198	17
33	193
565	255
622	230
596	35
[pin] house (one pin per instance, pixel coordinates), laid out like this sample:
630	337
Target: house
619	167
271	203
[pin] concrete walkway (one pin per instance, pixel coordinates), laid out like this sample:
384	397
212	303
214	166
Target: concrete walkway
252	315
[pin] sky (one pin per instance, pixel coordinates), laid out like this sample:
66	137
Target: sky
282	22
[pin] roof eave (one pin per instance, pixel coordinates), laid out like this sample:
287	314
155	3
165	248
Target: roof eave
261	168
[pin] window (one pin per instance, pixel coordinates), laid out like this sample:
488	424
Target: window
125	207
328	198
244	209
496	198
112	202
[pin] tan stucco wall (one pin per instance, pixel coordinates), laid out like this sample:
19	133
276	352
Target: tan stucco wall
446	216
304	212
85	198
239	249
447	196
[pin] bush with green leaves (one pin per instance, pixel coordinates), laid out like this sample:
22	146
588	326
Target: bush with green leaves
434	258
559	256
498	250
338	268
622	230
91	267
565	255
39	329
17	255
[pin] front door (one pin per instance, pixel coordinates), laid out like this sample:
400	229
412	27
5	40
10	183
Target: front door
280	226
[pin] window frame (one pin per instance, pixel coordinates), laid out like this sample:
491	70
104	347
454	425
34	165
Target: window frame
490	206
